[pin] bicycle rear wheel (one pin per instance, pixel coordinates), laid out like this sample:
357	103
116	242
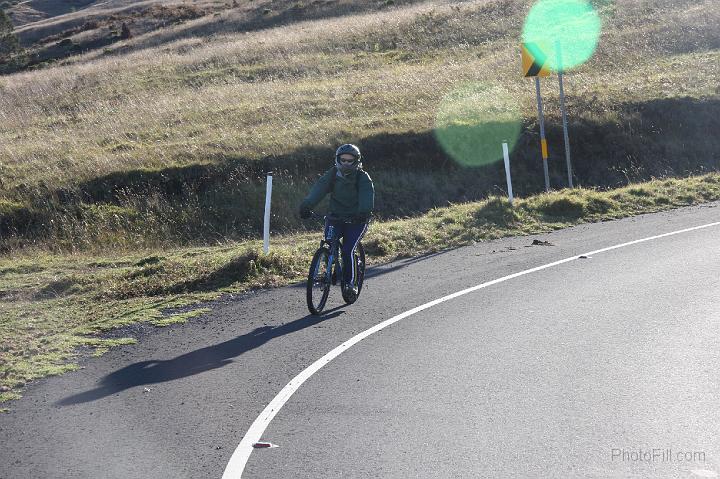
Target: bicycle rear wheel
318	282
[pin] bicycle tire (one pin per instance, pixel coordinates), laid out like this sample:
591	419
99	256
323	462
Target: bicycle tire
319	258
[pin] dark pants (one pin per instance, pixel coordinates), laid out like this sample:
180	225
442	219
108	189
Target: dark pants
351	233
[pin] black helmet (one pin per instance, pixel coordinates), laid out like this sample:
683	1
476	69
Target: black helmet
348	149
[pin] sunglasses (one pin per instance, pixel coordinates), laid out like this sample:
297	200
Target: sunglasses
347	160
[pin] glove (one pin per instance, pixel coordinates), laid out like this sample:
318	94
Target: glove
361	218
305	213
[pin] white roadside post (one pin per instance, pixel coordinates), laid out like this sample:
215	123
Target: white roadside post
506	155
266	227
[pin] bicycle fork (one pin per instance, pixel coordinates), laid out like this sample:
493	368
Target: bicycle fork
330	271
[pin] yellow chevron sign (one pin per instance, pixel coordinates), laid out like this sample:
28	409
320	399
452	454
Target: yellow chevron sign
534	61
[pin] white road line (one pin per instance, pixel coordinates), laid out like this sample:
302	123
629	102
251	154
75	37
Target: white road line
238	460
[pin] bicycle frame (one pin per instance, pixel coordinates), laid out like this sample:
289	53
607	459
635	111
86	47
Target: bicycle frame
334	246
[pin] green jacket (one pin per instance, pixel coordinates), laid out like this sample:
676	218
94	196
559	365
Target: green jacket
351	196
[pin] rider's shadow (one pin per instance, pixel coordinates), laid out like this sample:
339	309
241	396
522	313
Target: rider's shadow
195	362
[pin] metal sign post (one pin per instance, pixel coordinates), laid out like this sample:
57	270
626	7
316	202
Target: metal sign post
564	116
534	65
543	141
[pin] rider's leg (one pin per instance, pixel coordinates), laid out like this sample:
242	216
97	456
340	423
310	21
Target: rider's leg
352	233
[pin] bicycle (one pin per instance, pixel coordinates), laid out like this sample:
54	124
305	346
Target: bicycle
325	268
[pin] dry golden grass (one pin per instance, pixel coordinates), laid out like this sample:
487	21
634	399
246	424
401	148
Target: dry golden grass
296	91
195	100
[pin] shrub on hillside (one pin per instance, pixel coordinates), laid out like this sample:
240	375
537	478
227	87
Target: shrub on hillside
125	31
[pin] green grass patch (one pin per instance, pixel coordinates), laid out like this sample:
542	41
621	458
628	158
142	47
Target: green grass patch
181	317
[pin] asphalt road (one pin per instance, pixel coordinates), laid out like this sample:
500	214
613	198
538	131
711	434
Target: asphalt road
564	372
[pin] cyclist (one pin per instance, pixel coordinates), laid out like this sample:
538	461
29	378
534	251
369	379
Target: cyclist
352	198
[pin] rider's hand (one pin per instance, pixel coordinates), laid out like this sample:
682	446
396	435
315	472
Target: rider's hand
305	213
361	218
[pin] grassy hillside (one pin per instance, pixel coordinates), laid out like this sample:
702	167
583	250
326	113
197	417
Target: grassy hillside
131	170
53	30
163	139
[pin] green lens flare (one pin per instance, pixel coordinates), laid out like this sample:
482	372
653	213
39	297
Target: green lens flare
474	120
567	31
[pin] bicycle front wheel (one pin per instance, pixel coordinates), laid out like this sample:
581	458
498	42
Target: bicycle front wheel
318	282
